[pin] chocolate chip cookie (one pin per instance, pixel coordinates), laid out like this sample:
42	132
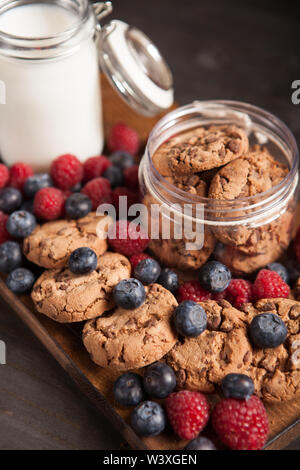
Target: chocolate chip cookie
296	290
67	297
129	339
201	363
51	244
201	149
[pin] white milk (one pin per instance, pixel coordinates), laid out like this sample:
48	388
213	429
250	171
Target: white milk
53	106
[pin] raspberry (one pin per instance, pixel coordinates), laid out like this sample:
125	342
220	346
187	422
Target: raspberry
269	285
132	196
66	171
297	245
135	259
241	424
127	238
192	290
99	191
49	203
4	175
19	173
95	167
188	413
122	137
131	176
4	235
239	292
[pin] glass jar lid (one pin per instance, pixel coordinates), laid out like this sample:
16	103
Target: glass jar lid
134	65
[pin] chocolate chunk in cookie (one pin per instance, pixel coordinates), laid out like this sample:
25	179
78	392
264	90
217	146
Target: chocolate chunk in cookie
192	184
296	290
129	339
66	297
276	372
201	363
51	244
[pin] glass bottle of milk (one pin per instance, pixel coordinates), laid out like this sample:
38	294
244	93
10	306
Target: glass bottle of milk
51	85
50	98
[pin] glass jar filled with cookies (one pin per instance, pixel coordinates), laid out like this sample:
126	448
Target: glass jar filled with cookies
220	178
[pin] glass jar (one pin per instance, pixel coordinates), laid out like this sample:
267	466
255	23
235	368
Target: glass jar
50	100
246	233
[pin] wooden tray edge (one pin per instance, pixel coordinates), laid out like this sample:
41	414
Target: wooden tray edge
285	437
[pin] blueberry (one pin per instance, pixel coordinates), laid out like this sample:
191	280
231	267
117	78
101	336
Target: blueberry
78	205
20	224
147	271
267	330
214	276
148	419
20	280
169	280
36	182
10	200
200	443
281	270
190	319
293	267
129	293
128	389
238	386
159	380
10	256
122	159
83	260
114	175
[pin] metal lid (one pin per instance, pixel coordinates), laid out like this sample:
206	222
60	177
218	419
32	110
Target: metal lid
134	66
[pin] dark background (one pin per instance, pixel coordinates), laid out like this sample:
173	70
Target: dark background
242	50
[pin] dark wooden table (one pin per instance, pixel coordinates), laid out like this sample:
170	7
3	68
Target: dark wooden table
244	50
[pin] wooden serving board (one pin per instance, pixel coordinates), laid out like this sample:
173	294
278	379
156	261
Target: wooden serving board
64	342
